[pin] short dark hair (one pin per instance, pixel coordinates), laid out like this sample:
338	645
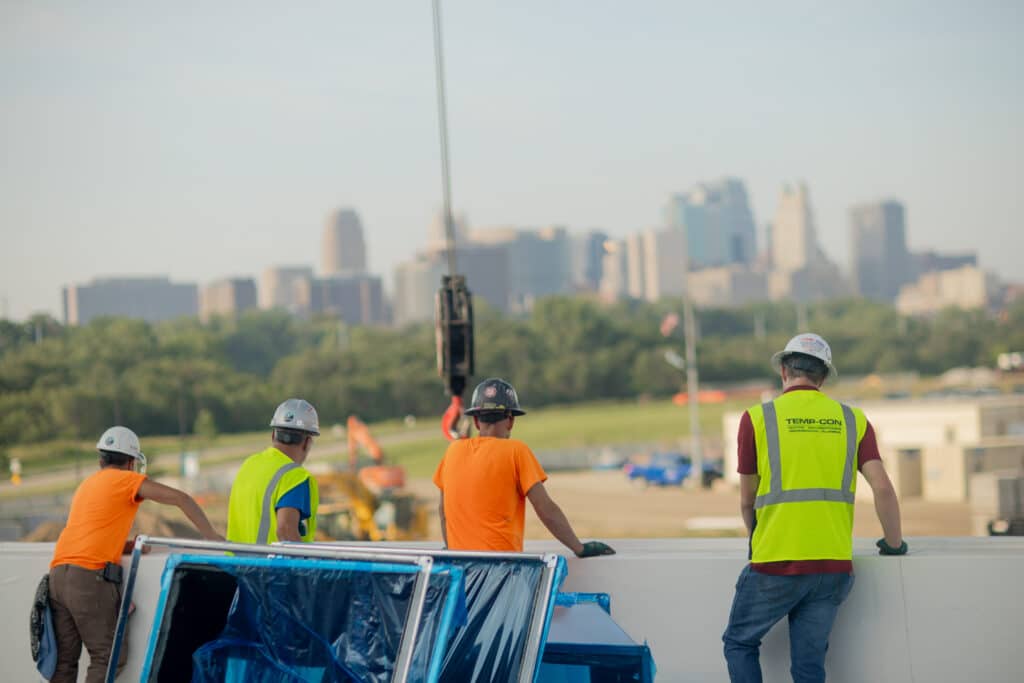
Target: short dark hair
803	365
495	417
115	459
289	436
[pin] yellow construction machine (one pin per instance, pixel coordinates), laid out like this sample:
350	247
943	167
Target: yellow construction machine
367	502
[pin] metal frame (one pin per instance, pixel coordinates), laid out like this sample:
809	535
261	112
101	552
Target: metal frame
542	603
410	632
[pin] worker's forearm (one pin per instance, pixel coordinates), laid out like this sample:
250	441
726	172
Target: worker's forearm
198	518
444	529
747	512
558	524
887	507
287	533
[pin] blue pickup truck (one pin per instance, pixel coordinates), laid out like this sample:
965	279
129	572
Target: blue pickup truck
669	469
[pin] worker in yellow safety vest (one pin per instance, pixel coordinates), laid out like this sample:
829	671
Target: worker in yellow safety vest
797	457
274	498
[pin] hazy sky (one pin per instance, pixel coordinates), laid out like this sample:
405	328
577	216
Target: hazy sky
207	139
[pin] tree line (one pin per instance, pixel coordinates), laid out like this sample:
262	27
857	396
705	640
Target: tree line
229	374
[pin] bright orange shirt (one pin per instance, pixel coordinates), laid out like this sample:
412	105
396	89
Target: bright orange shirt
102	511
484	481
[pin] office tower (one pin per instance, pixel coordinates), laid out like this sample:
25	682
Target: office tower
417	281
150	298
277	286
586	261
614	276
227	297
880	263
539	262
930	261
356	299
794	240
664	258
343	249
717	221
636	262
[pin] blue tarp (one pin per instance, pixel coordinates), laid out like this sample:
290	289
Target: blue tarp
585	645
292	619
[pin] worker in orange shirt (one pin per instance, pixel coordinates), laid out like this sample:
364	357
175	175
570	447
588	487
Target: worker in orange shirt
85	574
486	480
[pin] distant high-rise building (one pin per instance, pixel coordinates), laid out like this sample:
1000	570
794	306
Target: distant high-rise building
356	299
343	249
794	240
539	261
149	298
717	221
485	267
664	263
614	275
277	286
880	263
587	256
227	297
636	266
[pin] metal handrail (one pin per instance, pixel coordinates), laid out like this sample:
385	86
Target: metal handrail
531	653
440	552
410	631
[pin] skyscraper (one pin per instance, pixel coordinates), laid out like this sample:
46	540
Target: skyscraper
880	263
794	241
343	250
717	221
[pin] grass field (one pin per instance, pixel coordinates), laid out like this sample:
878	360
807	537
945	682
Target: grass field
590	424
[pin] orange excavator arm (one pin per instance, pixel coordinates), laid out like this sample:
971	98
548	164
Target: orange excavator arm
359	435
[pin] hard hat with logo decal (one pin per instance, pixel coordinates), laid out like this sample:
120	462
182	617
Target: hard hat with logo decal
122	440
494	395
297	415
807	344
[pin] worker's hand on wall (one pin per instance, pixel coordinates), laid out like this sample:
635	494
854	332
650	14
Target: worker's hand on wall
886	549
595	548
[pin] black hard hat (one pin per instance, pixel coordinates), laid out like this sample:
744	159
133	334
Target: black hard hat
494	395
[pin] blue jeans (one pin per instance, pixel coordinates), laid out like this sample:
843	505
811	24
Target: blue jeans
809	600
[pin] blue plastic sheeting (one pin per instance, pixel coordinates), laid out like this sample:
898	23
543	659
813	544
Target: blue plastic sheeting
501	595
292	620
585	645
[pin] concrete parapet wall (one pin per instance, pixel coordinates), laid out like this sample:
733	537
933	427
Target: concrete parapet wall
949	611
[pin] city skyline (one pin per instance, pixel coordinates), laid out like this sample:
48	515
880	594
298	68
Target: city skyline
123	158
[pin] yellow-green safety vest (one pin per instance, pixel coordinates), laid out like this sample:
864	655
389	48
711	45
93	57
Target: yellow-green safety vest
807	460
252	508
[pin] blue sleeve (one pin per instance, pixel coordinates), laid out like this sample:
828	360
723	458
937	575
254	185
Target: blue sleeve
298	498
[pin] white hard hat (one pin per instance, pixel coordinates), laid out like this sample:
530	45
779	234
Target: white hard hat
808	344
298	415
122	440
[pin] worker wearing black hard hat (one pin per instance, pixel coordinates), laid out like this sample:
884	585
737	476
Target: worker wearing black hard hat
486	480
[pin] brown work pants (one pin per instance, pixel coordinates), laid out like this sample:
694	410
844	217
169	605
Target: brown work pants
84	608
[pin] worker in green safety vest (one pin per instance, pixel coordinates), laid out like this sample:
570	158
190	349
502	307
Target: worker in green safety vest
797	460
274	498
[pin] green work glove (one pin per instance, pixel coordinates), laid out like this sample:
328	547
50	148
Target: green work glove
595	548
886	549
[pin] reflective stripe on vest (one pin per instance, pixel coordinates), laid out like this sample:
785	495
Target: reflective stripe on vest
268	498
775	493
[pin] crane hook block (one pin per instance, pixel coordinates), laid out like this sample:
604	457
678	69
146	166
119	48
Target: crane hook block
454	333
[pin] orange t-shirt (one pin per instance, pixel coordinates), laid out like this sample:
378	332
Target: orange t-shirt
484	481
102	511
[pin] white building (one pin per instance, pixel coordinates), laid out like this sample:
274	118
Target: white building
278	287
727	286
967	287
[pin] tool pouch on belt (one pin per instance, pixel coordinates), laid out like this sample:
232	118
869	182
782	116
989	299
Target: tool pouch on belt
112	572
